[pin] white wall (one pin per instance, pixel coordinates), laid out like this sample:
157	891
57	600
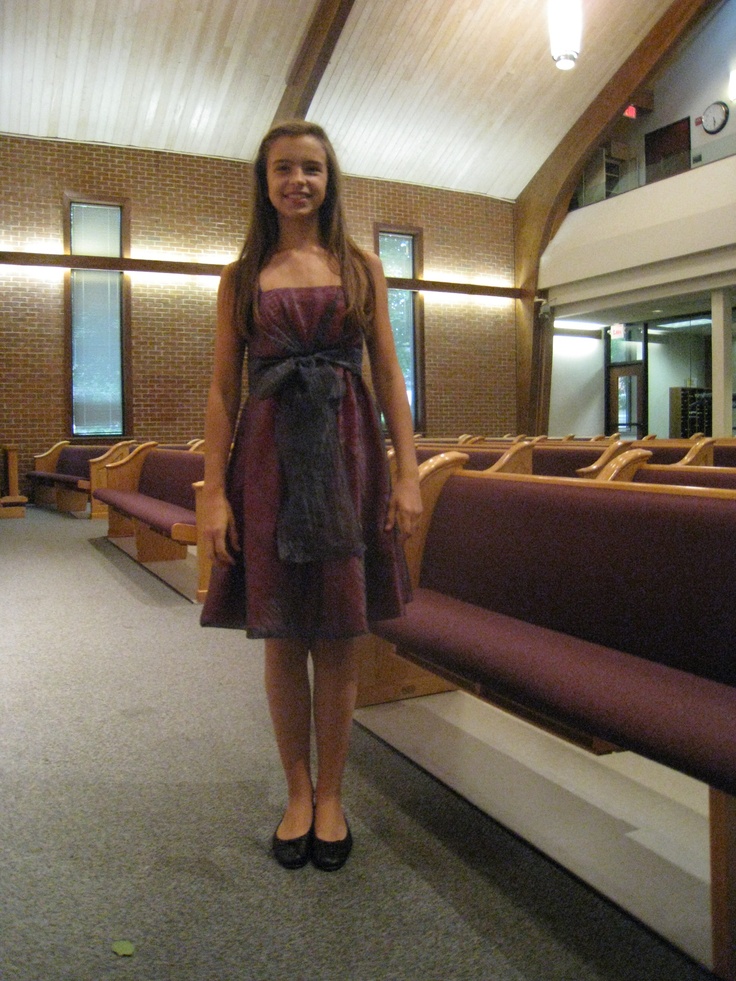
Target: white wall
576	397
677	235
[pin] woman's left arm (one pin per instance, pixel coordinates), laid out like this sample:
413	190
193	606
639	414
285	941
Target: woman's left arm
405	506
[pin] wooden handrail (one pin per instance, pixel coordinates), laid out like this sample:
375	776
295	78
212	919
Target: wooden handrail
124	474
48	459
624	465
433	474
700	454
518	458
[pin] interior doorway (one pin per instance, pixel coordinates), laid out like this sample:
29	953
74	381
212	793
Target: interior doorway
627	401
626	380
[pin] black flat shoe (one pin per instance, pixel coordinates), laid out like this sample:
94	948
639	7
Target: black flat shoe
329	856
293	853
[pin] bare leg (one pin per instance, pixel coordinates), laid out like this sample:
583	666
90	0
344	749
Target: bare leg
335	691
289	700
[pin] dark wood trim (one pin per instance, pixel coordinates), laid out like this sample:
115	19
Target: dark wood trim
185	268
542	205
309	65
113	263
467	289
722	808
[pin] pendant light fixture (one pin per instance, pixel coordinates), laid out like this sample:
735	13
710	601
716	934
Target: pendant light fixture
565	31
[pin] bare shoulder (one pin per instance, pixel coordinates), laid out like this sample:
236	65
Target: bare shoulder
375	271
373	262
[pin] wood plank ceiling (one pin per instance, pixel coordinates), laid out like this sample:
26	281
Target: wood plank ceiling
460	94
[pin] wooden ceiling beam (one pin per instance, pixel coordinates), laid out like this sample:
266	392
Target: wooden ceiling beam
309	66
179	267
542	205
186	267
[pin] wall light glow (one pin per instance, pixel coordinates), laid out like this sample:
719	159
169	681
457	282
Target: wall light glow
36	274
458	299
463	299
732	86
446	276
173	280
45	247
219	259
574	348
577	325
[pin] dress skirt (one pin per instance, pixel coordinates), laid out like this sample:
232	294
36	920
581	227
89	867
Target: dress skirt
322	595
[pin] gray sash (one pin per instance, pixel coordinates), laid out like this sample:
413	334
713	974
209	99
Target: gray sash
317	518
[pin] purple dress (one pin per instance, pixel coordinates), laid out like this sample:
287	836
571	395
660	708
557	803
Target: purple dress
308	483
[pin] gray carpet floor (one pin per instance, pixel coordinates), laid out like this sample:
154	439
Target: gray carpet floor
139	788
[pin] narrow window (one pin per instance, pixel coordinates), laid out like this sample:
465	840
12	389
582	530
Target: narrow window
400	253
96	313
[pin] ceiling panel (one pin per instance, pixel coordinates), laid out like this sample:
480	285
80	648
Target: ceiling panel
185	75
460	94
465	95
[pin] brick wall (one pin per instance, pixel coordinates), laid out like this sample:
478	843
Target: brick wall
195	207
470	344
171	356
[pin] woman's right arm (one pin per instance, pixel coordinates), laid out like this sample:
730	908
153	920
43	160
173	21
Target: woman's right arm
223	403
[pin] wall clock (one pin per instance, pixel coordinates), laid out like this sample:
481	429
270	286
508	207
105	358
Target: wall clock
715	117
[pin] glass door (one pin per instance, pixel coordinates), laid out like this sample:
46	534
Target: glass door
626	401
626	380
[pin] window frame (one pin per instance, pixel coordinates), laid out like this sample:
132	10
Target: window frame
70	198
417	235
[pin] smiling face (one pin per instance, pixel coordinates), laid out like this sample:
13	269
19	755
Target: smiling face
297	175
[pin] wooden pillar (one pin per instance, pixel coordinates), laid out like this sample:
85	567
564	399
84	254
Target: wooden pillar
722	358
723	883
12	504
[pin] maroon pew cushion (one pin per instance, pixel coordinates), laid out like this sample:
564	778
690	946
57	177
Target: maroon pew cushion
72	465
685	476
165	495
639	572
168	475
74	460
550	460
666	714
157	514
724	455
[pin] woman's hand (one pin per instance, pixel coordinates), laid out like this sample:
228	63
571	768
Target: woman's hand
405	506
220	534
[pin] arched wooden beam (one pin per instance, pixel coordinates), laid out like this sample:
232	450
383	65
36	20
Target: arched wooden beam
310	64
542	205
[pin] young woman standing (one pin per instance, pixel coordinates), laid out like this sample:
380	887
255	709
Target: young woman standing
303	527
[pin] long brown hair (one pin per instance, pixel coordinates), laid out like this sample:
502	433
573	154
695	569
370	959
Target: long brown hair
262	238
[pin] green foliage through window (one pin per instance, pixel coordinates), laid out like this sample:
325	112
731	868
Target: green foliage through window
97	322
397	256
